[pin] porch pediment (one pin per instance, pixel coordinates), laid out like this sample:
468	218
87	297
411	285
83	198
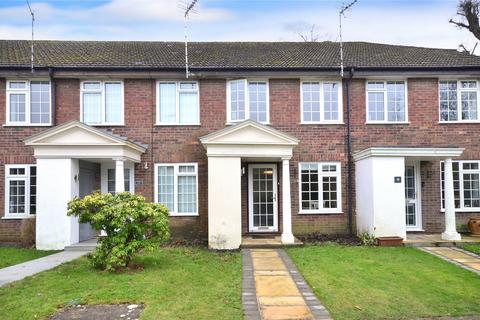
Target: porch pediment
249	132
75	139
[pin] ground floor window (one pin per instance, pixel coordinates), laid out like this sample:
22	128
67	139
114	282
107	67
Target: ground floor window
176	186
20	190
320	187
466	184
111	180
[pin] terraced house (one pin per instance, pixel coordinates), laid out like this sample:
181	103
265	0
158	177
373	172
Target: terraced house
261	138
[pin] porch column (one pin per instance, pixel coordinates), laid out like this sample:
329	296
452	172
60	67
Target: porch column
119	175
450	224
287	236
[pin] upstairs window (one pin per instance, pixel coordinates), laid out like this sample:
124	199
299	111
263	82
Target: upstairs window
466	185
320	187
458	100
20	190
28	102
321	102
102	102
386	102
247	100
178	103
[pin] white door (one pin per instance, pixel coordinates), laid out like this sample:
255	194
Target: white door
412	197
262	188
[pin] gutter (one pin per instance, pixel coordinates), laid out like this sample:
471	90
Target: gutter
349	154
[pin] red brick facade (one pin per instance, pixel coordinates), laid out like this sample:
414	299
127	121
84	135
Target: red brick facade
317	143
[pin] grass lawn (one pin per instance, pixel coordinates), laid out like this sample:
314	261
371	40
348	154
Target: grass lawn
177	283
10	256
472	247
387	283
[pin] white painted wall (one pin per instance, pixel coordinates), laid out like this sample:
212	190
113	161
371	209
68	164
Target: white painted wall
381	201
224	203
55	187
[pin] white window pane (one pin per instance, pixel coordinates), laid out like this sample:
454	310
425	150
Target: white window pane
237	100
17	196
92	107
330	97
186	169
40	101
187	194
166	186
469	105
258	101
396	101
375	85
188	107
113	102
468	84
17	107
188	85
311	101
376	106
168	101
92	85
448	101
17	85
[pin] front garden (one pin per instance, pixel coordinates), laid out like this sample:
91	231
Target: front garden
11	256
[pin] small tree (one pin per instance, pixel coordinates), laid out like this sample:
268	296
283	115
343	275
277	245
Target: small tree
468	11
131	224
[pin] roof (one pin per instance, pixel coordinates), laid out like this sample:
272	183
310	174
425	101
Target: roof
138	55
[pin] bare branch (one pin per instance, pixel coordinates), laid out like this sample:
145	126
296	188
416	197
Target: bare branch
469	11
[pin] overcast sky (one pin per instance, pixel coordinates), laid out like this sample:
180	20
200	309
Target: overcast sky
406	22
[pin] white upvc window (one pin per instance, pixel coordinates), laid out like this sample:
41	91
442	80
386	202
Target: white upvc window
20	190
176	186
178	103
102	102
248	99
28	103
387	102
458	100
466	185
320	187
321	102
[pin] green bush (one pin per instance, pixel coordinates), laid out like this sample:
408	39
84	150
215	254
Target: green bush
367	239
131	224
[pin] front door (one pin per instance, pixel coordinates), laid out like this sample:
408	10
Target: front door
262	189
412	197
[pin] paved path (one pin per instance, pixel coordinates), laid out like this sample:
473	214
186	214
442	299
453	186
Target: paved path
29	268
462	258
273	288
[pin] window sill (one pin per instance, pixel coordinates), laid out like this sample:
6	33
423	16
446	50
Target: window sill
463	210
322	123
183	214
459	122
177	124
17	217
27	125
237	122
388	123
105	124
319	212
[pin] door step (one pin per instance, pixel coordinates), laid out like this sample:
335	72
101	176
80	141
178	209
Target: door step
275	242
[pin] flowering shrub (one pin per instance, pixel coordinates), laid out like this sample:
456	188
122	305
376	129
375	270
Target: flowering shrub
131	224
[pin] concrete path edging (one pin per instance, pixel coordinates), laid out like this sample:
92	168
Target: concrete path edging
274	289
32	267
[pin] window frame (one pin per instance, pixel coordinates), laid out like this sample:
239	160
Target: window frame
461	171
177	103
28	108
385	101
459	100
337	174
322	102
247	100
102	92
26	177
176	173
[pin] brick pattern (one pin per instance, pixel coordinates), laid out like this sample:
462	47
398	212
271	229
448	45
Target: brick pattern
317	143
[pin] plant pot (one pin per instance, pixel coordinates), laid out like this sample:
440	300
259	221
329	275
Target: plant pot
390	241
474	226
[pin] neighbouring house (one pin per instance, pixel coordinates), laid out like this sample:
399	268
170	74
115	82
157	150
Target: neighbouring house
261	138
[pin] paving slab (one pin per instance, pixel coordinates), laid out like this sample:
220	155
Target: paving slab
462	258
32	267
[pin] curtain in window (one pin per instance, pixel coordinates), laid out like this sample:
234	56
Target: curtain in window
166	186
40	101
188	107
168	94
113	102
237	100
17	108
258	101
92	107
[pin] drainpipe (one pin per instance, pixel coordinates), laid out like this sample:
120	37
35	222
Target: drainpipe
349	155
53	93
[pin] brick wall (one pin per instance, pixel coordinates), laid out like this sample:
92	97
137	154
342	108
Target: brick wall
317	143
